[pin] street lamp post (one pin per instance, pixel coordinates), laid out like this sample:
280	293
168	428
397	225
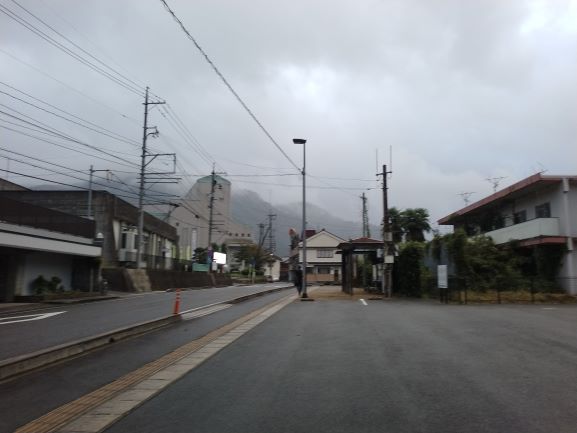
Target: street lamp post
304	294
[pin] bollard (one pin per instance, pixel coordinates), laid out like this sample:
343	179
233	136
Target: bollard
177	302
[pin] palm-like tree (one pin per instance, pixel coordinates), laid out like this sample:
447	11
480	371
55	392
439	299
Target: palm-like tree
415	222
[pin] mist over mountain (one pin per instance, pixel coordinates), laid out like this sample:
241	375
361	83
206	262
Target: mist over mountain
250	209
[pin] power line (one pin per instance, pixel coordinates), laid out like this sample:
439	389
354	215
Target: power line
66	147
77	46
67	174
61	183
106	132
13	15
170	111
119	138
228	85
60	133
72	170
183	135
40	71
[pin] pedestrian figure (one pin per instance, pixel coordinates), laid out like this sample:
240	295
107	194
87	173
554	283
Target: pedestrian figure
299	280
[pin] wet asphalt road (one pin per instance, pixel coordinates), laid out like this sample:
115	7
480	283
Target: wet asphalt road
85	320
341	366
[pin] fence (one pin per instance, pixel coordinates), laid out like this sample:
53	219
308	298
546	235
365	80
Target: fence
510	290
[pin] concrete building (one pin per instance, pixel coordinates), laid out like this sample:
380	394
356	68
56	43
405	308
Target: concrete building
191	218
538	210
37	244
116	220
323	259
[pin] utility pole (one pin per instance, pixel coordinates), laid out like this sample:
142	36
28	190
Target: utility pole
270	233
143	165
92	171
211	206
387	237
211	224
366	228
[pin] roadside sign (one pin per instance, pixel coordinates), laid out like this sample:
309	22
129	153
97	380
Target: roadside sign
442	282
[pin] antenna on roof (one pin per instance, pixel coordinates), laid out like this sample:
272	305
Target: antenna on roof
495	181
466	196
542	168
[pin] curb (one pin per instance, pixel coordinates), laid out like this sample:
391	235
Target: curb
22	364
25	363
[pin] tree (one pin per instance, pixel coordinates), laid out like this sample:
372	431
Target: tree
395	225
200	255
252	254
409	266
415	222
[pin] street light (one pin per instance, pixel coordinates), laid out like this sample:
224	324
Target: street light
304	222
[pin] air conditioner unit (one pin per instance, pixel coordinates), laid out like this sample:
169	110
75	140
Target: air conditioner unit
126	255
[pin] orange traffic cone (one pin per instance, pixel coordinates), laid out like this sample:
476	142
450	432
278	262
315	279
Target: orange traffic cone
177	302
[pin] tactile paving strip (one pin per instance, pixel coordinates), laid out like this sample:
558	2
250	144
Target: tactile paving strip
92	413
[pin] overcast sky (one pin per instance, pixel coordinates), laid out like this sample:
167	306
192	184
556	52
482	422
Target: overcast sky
462	91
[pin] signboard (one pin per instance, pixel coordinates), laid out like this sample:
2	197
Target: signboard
389	259
219	258
442	280
199	267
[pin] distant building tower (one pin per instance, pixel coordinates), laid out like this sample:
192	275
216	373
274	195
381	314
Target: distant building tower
192	218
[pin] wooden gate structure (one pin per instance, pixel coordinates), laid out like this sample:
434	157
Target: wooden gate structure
348	251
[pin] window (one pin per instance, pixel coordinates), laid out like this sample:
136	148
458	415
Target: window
325	253
543	211
324	270
520	217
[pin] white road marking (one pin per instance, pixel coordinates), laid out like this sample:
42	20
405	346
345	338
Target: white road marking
28	317
364	302
204	312
549	308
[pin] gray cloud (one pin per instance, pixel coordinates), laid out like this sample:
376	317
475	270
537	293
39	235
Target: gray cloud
461	90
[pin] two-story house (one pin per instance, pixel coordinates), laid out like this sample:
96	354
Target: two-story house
323	260
538	210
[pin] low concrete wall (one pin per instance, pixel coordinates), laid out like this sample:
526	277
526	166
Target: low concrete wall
120	279
162	280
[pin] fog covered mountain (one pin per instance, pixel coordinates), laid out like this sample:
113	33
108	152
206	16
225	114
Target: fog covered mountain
250	209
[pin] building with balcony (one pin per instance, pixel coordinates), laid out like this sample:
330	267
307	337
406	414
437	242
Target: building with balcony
538	210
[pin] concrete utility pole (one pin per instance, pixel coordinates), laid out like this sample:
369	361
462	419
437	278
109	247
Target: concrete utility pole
211	206
143	165
211	224
387	236
366	228
92	171
270	234
304	294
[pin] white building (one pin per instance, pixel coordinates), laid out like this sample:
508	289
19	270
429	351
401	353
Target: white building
539	210
39	243
323	260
